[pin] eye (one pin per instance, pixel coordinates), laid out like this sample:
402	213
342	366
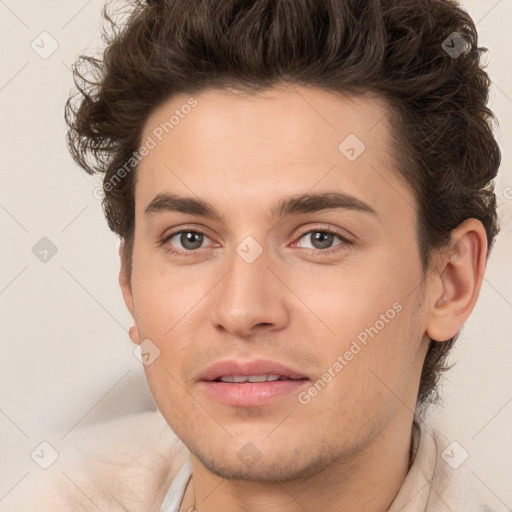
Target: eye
187	242
322	239
190	240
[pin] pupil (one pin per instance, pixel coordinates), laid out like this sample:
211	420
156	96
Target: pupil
194	239
321	240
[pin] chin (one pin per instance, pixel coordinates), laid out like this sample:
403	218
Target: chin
279	468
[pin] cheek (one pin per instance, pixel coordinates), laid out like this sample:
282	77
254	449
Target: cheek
163	298
366	323
354	300
367	376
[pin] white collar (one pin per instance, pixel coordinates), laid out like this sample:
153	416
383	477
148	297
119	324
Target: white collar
174	496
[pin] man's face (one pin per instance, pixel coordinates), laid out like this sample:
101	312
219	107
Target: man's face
329	300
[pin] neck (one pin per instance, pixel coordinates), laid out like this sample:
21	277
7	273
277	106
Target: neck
368	479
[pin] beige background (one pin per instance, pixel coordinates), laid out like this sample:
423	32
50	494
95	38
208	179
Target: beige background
66	357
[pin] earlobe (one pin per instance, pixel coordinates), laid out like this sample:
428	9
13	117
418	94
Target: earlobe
134	335
460	272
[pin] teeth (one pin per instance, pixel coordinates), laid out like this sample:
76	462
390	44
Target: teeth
249	378
257	378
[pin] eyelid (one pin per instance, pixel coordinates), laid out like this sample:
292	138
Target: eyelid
342	233
187	227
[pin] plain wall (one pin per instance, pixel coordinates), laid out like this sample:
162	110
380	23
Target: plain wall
67	360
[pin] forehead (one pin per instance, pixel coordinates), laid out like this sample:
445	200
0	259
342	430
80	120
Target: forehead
251	148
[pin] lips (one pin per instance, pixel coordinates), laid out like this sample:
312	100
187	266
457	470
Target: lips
251	371
253	383
251	378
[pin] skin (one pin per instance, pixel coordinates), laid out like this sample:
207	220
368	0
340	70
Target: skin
242	153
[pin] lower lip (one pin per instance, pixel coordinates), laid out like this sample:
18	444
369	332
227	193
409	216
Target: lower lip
252	394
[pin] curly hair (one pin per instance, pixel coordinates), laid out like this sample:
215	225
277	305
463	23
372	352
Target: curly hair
399	50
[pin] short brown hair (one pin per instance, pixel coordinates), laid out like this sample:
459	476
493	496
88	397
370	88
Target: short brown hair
398	50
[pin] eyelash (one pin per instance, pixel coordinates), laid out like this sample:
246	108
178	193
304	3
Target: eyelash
316	252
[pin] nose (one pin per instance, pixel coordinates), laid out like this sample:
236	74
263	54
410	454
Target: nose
249	298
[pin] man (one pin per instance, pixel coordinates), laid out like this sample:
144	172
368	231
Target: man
303	192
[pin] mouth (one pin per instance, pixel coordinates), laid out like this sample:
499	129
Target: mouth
237	379
252	383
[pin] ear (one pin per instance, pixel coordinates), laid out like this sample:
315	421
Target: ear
459	274
126	289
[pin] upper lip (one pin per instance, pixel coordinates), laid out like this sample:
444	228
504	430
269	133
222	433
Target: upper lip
249	367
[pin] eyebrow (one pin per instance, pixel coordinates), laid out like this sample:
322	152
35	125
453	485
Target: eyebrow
291	205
